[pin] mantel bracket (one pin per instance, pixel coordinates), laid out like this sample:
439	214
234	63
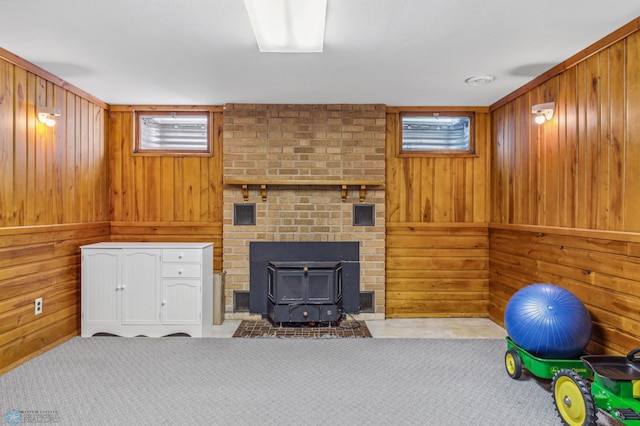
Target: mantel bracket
344	185
263	191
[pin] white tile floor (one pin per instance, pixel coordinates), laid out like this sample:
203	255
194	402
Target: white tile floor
443	328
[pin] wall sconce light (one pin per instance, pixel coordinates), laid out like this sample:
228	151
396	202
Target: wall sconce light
543	112
47	115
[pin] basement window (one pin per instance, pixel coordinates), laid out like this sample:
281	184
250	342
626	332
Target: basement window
181	132
436	134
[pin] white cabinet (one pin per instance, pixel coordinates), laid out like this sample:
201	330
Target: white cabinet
147	289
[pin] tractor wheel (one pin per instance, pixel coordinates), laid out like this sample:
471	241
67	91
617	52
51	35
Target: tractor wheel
572	399
513	364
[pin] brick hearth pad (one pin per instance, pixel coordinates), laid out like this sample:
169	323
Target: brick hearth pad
264	328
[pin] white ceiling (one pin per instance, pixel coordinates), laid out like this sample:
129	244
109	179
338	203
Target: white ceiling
395	52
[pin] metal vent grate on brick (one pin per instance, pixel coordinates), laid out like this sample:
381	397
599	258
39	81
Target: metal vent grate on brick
244	214
240	301
364	214
367	301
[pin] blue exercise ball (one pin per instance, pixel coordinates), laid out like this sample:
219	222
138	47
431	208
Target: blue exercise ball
548	321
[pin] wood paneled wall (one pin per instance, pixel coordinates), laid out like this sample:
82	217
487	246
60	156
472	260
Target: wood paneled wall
437	189
53	198
165	197
437	270
49	175
579	170
437	240
601	268
41	261
580	175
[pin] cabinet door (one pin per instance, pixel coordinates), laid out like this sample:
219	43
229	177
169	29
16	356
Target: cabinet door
181	301
141	286
101	284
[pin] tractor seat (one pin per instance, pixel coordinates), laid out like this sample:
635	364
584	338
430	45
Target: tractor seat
612	367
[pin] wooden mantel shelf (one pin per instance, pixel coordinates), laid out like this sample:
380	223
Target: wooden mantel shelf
263	183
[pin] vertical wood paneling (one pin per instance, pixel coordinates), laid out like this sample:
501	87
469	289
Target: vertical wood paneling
101	130
575	170
178	198
178	192
43	135
30	168
83	156
128	191
138	189
167	193
152	199
592	145
437	189
49	144
442	190
71	172
510	152
41	227
617	140
586	181
6	143
563	161
497	190
436	244
59	155
21	154
549	135
631	197
191	188
581	142
480	210
520	206
569	123
115	164
602	159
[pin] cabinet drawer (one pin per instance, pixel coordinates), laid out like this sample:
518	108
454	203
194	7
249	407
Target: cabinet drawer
181	255
177	270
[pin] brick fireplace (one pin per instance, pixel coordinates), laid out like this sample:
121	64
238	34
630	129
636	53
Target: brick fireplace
295	159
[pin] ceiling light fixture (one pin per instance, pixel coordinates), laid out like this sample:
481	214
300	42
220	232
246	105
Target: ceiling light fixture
291	26
47	115
480	80
543	112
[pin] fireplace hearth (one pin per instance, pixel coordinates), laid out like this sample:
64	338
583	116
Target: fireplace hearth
304	282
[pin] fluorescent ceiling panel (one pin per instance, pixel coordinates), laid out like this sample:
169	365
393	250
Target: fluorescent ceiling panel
292	26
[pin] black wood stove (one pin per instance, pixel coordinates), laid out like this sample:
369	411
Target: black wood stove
304	282
304	292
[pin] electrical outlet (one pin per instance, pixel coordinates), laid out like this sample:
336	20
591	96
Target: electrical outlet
38	305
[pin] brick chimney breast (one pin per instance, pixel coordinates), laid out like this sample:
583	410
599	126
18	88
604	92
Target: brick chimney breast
302	143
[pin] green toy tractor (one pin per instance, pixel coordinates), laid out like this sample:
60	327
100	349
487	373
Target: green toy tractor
615	389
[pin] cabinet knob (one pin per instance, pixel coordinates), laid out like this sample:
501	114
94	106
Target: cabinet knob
180	256
179	271
305	269
164	302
